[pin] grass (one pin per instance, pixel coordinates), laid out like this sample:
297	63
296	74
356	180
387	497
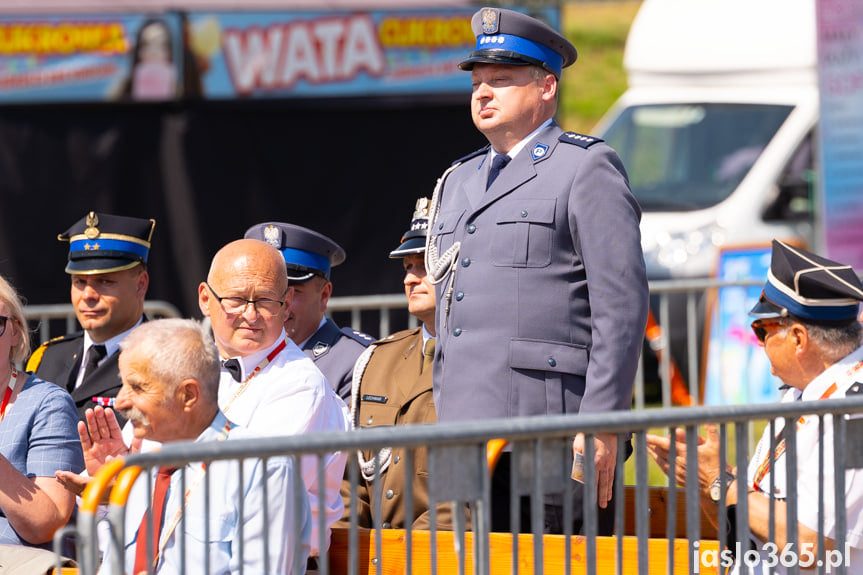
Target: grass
591	85
655	476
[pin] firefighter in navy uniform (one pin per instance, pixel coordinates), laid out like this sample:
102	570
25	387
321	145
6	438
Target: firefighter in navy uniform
309	256
107	264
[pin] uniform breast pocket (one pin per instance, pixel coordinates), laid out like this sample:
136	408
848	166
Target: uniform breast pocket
523	233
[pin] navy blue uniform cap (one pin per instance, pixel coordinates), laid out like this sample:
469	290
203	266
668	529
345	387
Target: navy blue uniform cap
809	287
307	253
414	240
509	37
104	243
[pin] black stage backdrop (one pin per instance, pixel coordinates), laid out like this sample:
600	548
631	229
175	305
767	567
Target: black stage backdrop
350	169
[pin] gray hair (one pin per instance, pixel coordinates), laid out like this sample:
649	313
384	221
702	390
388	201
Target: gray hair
837	340
176	350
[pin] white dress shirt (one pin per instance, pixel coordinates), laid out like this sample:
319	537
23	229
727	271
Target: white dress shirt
288	397
808	438
223	513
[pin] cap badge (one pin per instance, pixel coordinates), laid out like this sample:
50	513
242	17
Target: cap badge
538	151
490	23
271	235
92	232
320	349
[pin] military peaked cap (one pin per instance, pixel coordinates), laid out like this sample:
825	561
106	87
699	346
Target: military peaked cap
103	243
306	253
414	240
809	287
509	37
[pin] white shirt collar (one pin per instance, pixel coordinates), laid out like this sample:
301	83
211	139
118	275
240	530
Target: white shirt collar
302	344
836	373
113	344
250	362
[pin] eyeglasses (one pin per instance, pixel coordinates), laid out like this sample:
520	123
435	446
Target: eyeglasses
237	305
759	326
3	320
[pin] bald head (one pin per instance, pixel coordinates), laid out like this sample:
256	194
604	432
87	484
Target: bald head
250	270
250	254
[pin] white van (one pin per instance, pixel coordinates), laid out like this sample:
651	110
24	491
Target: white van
717	127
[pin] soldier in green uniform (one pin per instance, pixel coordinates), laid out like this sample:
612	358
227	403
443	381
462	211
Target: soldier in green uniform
392	385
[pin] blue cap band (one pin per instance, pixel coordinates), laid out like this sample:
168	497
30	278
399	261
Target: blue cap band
521	46
813	312
104	244
307	259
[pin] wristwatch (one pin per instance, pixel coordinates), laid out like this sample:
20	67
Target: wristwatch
715	490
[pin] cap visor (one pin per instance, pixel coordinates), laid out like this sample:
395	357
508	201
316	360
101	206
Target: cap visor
494	57
411	246
99	265
767	309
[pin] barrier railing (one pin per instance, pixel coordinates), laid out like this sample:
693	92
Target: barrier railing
541	456
678	334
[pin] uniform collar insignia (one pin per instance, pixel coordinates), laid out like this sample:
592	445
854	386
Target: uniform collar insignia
320	348
538	151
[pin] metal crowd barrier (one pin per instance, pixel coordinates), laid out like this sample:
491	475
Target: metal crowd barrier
678	307
44	315
541	456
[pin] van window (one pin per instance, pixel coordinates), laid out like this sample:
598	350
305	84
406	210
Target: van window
682	157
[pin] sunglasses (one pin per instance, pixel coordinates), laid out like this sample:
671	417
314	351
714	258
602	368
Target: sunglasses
759	327
3	320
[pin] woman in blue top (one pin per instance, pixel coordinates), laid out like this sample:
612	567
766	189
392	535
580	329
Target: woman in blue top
38	436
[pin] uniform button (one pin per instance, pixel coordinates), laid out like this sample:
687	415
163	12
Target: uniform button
524	213
386	525
456	332
389	494
471	228
396	458
465	262
440	226
459	295
369	421
552	362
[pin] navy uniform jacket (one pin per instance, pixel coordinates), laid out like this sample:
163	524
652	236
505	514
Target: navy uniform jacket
549	299
59	360
334	352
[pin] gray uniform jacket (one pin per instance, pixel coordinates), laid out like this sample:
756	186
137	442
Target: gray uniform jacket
334	352
549	295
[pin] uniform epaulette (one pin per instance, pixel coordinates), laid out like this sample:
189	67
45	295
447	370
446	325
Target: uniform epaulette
398	336
579	139
358	336
35	358
473	154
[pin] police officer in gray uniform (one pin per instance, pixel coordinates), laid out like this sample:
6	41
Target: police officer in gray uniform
535	247
309	256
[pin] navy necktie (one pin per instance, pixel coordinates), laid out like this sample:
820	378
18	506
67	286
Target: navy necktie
96	353
233	366
497	164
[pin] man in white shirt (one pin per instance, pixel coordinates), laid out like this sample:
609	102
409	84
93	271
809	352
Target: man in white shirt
267	384
806	320
170	374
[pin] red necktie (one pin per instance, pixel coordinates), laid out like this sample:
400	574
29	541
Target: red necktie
163	480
